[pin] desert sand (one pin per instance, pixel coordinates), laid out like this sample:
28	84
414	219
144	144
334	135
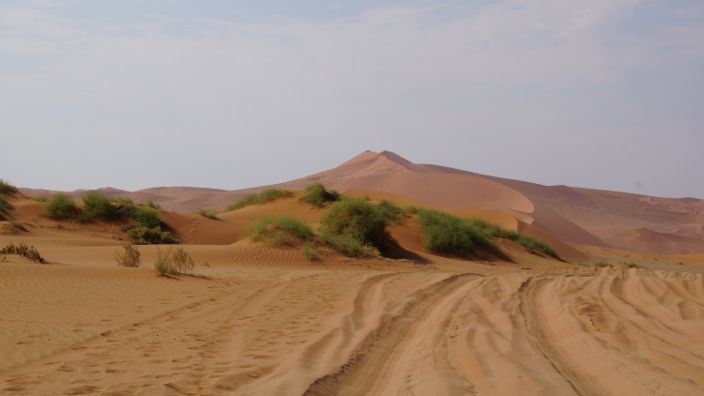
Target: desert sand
259	320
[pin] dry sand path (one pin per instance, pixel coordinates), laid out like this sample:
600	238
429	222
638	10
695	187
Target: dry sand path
325	330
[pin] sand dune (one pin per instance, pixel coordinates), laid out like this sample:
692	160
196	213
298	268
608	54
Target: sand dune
575	215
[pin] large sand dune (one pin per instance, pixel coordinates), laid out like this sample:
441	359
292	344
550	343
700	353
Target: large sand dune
575	215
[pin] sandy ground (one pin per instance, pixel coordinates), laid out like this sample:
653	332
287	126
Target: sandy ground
260	321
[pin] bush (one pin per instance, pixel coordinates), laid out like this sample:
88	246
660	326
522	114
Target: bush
151	204
142	235
130	257
281	231
208	214
263	197
173	262
147	217
348	246
98	206
7	188
5	207
61	207
391	211
318	196
444	233
356	219
29	252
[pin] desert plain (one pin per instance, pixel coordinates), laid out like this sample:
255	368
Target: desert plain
619	311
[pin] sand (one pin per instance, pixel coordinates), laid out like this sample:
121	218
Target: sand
260	320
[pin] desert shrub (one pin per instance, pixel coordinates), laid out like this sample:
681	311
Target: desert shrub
61	207
265	196
173	262
146	217
29	252
529	243
444	233
391	211
5	207
142	235
151	204
281	231
348	246
98	206
310	253
7	188
210	214
39	198
356	219
129	257
316	195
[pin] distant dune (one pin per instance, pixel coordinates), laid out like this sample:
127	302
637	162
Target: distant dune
570	214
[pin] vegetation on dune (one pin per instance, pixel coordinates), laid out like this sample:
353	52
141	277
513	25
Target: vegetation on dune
317	195
268	195
97	206
444	233
348	246
151	204
129	257
26	251
281	231
210	214
173	262
6	190
62	207
310	253
147	217
141	235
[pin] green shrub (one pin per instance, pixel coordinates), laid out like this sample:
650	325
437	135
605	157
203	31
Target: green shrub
130	256
263	197
61	207
98	206
39	198
210	214
173	262
318	196
348	246
146	217
5	207
7	188
29	252
529	243
142	235
281	231
356	219
391	211
123	201
151	204
444	233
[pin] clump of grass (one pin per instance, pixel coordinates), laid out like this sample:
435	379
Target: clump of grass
147	217
447	234
348	246
151	204
391	211
6	190
281	231
444	233
61	207
210	214
129	257
40	198
263	197
141	235
317	195
97	206
355	227
173	262
26	251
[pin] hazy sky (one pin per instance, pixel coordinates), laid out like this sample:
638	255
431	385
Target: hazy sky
230	94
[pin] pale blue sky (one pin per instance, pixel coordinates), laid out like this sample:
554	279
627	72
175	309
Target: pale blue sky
230	94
